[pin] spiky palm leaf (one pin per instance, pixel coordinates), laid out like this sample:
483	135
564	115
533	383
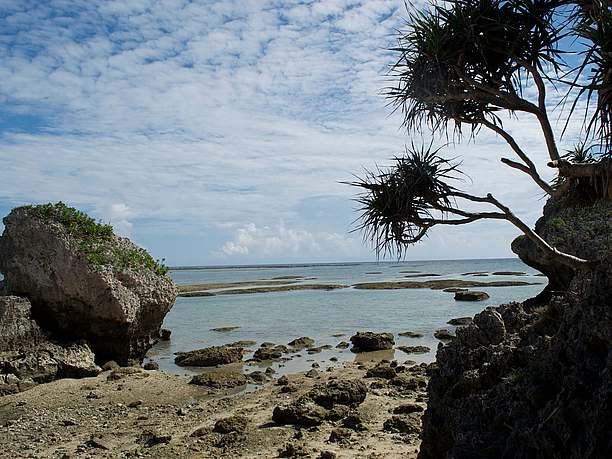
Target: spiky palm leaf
454	59
399	201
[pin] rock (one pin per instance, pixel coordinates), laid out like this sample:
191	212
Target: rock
45	363
403	424
164	334
282	381
289	388
354	422
224	329
409	382
231	424
369	341
84	282
456	289
408	408
242	343
301	343
28	357
342	345
110	365
122	372
509	273
150	438
444	335
293	450
382	370
303	412
219	380
270	352
333	359
327	455
257	377
460	321
315	365
411	334
414	349
18	330
312	373
151	366
209	356
135	404
339	435
491	325
342	392
337	413
471	295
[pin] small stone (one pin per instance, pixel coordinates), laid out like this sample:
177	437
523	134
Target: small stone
231	424
164	334
339	435
312	373
151	366
135	404
283	380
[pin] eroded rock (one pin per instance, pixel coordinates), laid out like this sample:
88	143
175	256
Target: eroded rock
369	341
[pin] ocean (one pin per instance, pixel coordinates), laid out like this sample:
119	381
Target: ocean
279	317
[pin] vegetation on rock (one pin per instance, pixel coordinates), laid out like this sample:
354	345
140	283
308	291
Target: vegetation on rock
96	240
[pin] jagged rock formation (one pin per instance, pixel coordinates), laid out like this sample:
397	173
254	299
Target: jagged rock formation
84	282
28	357
528	381
573	227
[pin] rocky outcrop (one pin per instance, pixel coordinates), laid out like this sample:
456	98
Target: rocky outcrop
369	341
84	282
574	227
471	295
28	357
527	383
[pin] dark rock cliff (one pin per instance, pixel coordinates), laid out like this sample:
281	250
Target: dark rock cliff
534	380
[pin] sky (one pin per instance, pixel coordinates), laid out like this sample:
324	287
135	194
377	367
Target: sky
219	132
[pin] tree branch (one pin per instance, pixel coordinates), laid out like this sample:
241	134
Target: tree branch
531	168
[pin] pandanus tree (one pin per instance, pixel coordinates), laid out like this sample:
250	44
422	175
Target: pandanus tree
461	65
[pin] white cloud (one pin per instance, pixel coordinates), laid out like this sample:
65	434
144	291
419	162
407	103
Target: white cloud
177	119
280	241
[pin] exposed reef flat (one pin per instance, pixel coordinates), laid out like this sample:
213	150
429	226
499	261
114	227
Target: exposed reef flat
268	289
256	283
438	284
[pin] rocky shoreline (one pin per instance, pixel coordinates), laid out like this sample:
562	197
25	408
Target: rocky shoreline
361	411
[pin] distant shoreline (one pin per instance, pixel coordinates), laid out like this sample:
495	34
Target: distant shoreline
308	265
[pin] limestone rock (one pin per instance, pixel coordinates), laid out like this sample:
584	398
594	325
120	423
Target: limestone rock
219	380
369	341
209	356
342	392
471	295
83	281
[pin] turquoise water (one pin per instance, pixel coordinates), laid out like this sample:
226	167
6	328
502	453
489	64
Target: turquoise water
280	317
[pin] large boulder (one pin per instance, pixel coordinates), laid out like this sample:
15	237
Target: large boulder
28	357
369	341
84	282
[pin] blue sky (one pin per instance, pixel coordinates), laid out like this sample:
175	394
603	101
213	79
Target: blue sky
218	132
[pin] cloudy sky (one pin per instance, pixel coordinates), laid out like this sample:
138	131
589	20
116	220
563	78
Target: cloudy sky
218	132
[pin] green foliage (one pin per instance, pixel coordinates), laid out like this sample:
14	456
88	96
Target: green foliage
399	202
96	240
593	77
457	57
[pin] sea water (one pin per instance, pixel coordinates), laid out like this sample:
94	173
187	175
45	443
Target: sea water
280	317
